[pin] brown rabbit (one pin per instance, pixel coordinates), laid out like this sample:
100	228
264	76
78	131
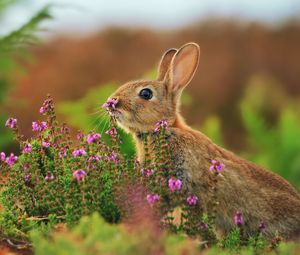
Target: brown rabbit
260	195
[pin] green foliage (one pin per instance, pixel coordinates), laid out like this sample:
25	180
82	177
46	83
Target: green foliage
233	240
276	148
94	236
25	34
212	128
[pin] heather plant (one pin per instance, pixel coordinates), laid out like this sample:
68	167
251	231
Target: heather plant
56	181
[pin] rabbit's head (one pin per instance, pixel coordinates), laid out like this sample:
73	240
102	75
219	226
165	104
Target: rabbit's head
139	105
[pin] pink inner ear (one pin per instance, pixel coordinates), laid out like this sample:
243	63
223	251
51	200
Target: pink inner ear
165	64
184	65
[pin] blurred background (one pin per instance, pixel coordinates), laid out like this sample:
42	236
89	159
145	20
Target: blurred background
245	94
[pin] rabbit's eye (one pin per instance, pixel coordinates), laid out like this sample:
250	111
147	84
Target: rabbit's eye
146	94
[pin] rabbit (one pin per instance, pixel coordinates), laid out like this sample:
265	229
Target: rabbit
259	195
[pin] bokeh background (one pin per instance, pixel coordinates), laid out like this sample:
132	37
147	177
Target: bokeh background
245	94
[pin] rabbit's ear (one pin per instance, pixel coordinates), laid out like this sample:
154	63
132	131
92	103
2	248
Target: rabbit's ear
165	63
183	66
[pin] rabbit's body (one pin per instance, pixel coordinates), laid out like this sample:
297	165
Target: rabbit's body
260	195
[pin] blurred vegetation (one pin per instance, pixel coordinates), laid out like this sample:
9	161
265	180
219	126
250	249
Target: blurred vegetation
12	50
94	236
275	146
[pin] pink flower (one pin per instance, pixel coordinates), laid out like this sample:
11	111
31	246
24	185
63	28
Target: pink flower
35	126
94	158
27	148
39	126
12	123
93	138
62	153
79	175
112	132
112	157
174	184
192	200
203	226
44	125
11	159
217	166
162	124
42	110
46	144
147	172
79	136
91	162
262	227
2	156
110	103
238	219
79	152
27	177
153	198
47	106
49	177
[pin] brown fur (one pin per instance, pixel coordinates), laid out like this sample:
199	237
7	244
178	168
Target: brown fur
259	194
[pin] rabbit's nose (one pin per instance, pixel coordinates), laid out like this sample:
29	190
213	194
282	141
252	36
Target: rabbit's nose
116	99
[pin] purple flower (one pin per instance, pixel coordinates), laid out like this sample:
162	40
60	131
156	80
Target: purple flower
62	153
110	103
12	123
217	166
262	227
203	226
2	156
112	132
44	125
35	126
147	172
192	200
79	136
46	144
112	157
49	177
94	158
238	219
79	152
91	162
11	159
174	184
42	110
39	126
47	106
79	175
153	198
162	124
93	138
27	177
27	148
